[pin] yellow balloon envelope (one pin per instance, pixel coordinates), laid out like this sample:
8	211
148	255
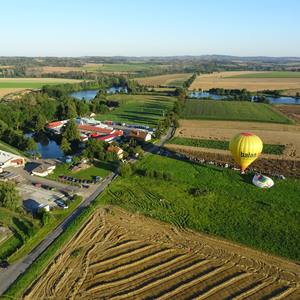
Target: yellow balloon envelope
245	148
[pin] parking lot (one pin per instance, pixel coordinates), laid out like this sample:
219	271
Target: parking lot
33	196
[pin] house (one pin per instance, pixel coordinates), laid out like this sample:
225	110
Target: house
107	138
84	128
83	137
8	159
56	126
140	135
119	151
43	169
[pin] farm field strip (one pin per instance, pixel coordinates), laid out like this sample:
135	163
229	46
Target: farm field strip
219	131
164	80
232	111
272	74
250	80
172	269
223	145
12	85
138	109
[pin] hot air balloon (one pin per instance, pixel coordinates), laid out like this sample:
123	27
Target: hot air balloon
245	148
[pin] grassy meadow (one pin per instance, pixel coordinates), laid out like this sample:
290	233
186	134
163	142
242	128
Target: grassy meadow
223	145
28	232
22	226
138	109
12	85
215	201
232	110
101	168
9	148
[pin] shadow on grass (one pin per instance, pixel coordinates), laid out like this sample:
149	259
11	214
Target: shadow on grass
108	166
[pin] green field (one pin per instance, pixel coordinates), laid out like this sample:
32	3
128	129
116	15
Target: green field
177	83
232	110
24	85
138	109
277	74
22	226
225	203
223	145
101	169
28	231
11	149
124	67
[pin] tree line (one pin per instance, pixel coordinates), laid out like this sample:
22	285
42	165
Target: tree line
34	110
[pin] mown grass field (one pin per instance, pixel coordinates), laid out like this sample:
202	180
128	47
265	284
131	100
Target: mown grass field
232	110
138	109
101	169
226	204
11	85
279	74
223	145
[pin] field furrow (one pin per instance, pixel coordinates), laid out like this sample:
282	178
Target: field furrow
110	258
144	272
168	281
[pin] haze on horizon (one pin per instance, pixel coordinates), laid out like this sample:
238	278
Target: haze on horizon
149	28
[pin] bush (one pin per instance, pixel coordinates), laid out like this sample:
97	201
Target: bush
125	169
45	217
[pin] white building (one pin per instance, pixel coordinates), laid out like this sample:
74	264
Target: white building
43	169
8	159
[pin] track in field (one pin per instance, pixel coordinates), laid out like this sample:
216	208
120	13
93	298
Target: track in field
118	255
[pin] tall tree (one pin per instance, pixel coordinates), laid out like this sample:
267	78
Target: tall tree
9	196
65	146
71	132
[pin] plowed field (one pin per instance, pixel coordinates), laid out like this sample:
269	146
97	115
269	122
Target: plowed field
118	255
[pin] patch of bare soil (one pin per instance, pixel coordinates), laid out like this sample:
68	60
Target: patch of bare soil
292	111
119	255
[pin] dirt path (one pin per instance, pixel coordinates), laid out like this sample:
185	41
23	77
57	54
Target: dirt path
119	255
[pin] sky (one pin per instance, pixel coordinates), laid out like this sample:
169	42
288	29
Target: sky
149	27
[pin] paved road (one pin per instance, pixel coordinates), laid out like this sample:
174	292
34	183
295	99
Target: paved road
8	276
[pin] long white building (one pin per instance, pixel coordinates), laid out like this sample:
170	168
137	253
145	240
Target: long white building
8	159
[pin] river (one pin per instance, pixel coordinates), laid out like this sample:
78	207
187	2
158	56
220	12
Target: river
272	100
46	147
91	94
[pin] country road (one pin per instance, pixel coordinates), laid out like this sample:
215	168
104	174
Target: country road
9	275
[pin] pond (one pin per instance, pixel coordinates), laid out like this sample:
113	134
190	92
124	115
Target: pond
46	147
91	94
272	100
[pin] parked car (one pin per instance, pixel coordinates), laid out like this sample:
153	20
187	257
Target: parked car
61	204
97	178
4	264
